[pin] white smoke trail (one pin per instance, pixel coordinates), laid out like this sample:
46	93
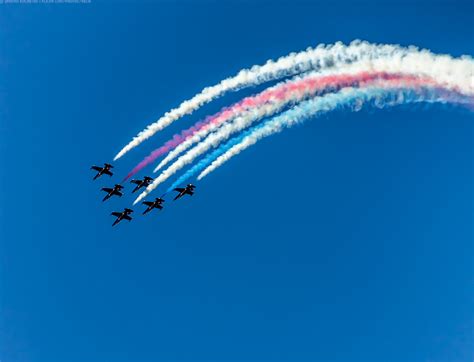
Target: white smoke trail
352	97
456	74
321	57
278	105
311	107
212	140
452	73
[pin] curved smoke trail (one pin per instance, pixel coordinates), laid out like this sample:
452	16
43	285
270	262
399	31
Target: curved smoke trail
275	99
276	125
455	74
240	123
324	103
351	98
452	73
321	57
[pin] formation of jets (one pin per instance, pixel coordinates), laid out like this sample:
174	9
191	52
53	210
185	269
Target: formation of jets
116	190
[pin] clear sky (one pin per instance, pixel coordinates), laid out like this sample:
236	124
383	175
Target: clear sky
349	238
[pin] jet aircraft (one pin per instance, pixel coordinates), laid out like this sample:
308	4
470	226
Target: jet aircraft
116	190
102	170
141	183
125	214
157	204
189	190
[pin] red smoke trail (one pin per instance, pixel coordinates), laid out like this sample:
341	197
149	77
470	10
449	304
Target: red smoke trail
309	86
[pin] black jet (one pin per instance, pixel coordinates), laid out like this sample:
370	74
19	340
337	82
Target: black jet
141	183
125	214
112	191
189	190
102	170
153	204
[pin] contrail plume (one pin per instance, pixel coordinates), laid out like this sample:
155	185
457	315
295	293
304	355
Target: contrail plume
297	111
321	57
348	98
451	73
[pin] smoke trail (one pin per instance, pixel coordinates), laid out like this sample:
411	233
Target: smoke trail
451	74
242	122
308	108
279	97
458	74
349	97
321	57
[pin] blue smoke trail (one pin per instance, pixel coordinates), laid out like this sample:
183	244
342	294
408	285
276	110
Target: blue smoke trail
206	161
352	98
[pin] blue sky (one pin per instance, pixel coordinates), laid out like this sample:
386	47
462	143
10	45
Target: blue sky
348	238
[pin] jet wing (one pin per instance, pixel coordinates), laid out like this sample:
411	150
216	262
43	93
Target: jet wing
117	214
148	203
126	217
138	182
107	172
97	168
107	189
190	192
179	189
